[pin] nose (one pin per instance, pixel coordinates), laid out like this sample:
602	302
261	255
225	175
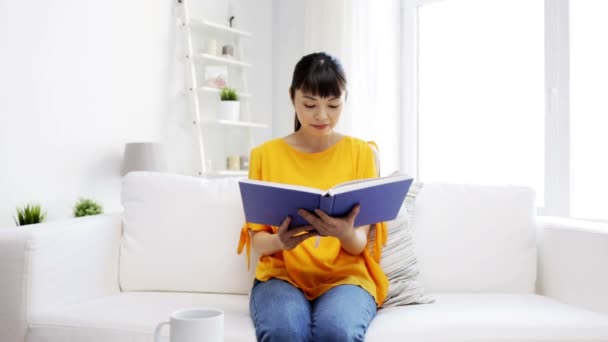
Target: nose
321	114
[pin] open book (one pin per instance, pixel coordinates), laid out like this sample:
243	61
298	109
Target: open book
270	203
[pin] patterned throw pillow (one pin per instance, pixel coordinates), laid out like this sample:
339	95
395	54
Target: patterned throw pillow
398	258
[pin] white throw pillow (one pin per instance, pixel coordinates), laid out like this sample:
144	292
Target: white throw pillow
475	238
181	233
399	260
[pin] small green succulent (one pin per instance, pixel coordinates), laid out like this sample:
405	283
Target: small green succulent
29	214
86	207
229	94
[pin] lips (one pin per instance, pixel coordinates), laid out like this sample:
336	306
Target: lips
320	127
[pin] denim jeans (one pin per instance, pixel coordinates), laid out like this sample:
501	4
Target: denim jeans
281	312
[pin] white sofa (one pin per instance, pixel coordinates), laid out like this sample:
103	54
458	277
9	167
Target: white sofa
497	272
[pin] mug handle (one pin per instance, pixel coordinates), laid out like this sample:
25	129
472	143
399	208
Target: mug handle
157	331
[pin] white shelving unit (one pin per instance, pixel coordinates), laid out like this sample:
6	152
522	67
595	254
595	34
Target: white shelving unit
214	135
208	57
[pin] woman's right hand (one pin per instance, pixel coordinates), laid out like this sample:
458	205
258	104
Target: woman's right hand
290	238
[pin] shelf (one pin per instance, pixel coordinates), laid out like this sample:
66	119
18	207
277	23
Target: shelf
235	123
218	90
221	173
238	123
232	173
218	27
213	90
242	123
224	60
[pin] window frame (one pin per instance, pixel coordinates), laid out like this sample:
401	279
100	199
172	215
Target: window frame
557	182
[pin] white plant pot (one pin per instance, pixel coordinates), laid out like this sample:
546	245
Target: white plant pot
230	110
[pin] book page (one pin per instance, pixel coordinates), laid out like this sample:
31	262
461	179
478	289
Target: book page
366	183
393	174
285	186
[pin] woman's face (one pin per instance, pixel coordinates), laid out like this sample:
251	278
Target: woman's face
318	115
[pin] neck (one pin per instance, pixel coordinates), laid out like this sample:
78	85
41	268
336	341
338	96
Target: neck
315	143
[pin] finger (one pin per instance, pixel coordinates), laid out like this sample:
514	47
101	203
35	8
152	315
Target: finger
308	216
298	239
326	218
300	229
322	232
284	225
316	222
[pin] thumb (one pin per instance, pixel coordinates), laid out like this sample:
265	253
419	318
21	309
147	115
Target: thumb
284	225
354	212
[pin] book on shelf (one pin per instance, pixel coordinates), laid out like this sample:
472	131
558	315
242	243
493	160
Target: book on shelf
270	203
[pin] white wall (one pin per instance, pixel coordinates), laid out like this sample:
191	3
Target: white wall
288	37
257	17
80	79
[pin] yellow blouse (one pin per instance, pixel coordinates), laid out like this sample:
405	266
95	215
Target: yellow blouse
316	270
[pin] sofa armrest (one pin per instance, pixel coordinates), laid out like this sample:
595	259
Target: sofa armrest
55	263
573	262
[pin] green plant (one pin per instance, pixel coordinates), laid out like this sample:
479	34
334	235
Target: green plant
229	94
30	214
86	207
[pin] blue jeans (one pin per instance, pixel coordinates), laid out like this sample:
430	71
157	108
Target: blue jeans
281	312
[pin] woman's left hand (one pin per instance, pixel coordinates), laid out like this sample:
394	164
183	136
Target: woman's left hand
339	227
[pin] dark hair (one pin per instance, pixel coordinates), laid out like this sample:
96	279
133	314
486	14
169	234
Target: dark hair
320	74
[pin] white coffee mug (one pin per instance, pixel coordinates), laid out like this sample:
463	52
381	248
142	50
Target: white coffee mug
194	325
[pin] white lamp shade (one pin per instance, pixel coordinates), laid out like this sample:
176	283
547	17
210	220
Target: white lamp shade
144	156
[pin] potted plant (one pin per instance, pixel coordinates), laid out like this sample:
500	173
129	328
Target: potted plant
229	104
30	214
86	207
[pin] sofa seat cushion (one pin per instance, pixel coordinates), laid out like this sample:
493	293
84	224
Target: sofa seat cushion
132	316
489	317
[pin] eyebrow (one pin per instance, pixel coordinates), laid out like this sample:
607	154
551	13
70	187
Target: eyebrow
316	98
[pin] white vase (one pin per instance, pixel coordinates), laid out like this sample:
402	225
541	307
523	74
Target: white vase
230	110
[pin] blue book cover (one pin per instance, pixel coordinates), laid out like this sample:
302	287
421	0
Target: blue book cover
270	203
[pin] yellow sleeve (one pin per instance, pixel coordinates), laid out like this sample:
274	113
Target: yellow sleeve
376	157
255	172
371	170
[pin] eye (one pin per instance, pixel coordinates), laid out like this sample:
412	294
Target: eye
334	106
309	106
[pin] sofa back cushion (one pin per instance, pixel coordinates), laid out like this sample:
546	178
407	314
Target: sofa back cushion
475	238
181	233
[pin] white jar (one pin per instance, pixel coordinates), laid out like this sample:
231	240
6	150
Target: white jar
230	110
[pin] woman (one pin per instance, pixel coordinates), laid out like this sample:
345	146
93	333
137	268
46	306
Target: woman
326	288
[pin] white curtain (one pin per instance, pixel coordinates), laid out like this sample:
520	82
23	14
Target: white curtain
364	35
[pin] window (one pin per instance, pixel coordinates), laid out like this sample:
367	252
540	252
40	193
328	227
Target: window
480	87
589	108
